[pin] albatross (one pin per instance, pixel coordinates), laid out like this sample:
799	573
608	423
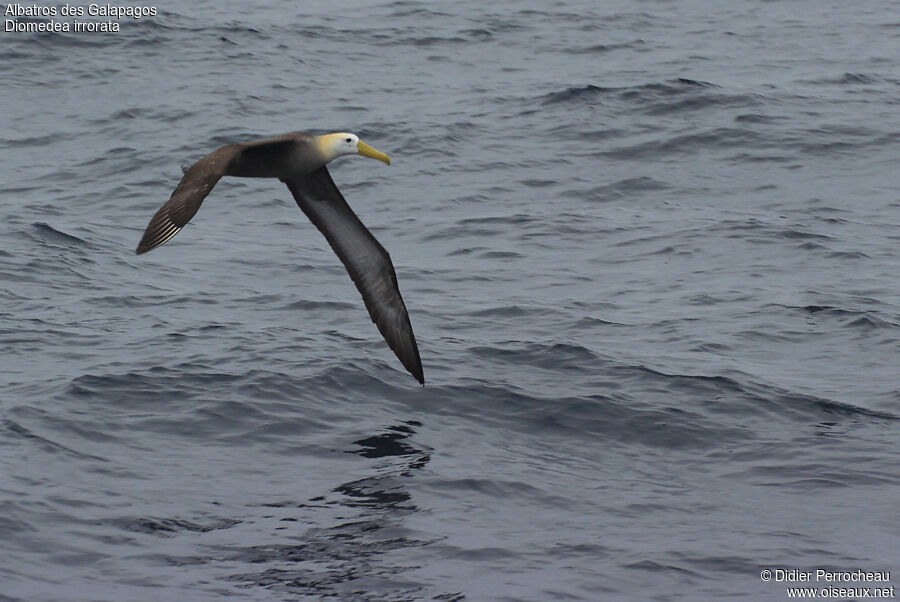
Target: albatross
299	160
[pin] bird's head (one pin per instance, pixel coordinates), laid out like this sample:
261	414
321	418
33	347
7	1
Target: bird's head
337	145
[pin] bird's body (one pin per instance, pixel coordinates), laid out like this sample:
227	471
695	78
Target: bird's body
298	159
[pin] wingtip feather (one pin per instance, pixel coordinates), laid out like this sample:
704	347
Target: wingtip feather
416	371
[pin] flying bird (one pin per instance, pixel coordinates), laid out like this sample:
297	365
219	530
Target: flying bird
298	159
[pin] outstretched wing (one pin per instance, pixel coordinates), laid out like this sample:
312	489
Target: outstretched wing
366	260
196	183
265	158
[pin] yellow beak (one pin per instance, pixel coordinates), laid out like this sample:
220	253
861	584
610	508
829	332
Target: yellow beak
367	151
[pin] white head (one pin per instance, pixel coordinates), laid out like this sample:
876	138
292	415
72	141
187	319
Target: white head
339	144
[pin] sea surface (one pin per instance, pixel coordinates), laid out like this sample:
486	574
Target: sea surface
650	251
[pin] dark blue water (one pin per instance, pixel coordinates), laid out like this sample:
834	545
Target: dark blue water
650	253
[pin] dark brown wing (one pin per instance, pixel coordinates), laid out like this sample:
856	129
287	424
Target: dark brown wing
196	183
265	158
366	260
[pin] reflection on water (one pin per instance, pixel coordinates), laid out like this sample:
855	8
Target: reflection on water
352	555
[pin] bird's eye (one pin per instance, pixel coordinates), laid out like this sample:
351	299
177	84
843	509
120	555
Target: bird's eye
349	140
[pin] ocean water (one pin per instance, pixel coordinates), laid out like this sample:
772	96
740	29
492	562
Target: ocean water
650	254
